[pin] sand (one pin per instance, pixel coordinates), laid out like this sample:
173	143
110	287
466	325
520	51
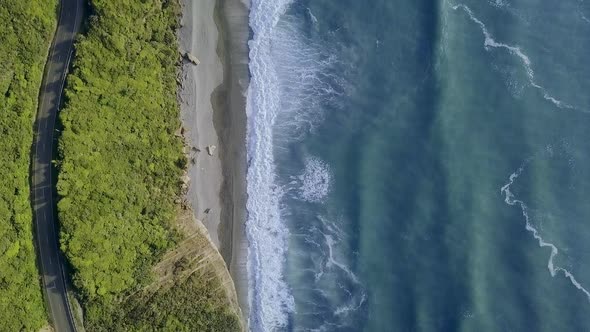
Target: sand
199	36
236	33
212	97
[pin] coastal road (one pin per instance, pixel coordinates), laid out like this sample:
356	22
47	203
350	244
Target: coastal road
42	179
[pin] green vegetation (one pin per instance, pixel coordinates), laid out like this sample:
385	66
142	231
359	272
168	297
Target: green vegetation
119	173
26	29
189	293
120	162
191	305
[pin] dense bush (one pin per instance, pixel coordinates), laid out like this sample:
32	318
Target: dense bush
26	28
120	161
120	166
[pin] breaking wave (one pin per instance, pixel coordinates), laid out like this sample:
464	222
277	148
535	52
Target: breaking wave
290	82
269	297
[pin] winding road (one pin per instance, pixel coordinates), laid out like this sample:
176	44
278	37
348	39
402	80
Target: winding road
42	179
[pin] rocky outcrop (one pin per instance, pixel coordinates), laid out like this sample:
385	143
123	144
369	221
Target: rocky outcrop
191	58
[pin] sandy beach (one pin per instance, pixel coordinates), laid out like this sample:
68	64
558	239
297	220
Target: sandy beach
235	33
198	36
213	116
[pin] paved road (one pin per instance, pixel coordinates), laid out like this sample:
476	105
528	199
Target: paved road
43	181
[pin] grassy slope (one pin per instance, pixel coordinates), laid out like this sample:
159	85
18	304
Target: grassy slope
120	166
192	290
26	29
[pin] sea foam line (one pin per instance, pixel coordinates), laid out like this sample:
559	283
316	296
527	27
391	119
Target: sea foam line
553	269
270	299
490	42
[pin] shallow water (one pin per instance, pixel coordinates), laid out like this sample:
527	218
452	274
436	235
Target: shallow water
419	165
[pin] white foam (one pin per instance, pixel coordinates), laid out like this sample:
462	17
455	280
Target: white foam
351	307
312	16
490	42
290	81
553	269
499	3
336	268
269	297
333	262
315	180
307	80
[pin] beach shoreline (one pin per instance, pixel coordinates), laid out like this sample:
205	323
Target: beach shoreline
198	37
233	16
212	101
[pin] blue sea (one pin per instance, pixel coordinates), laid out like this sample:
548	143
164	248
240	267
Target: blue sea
419	165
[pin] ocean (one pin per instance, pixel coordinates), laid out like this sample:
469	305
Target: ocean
419	165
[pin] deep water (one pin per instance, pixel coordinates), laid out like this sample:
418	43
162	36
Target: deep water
419	165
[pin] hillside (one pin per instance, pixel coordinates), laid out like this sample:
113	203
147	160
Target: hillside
27	28
120	174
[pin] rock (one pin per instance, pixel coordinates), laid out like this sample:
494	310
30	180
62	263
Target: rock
180	132
185	179
207	211
193	59
211	149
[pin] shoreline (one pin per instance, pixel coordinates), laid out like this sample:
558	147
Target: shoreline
234	27
212	102
198	37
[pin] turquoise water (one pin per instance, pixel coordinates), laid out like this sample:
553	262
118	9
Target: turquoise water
419	165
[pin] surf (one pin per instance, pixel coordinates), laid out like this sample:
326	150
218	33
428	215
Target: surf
269	297
290	82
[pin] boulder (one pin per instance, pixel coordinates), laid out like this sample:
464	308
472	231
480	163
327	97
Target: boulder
192	59
211	149
185	179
